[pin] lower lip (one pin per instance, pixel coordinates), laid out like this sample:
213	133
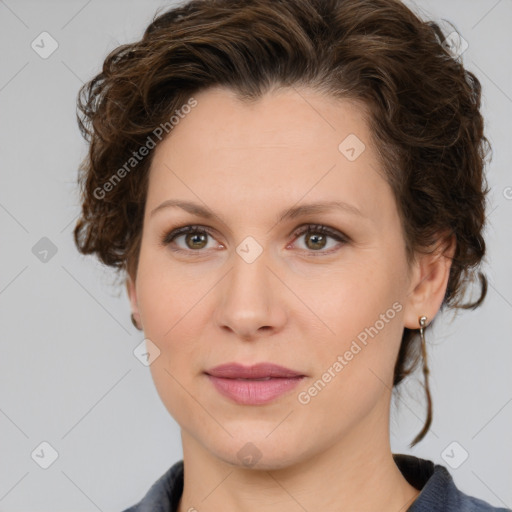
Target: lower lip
254	392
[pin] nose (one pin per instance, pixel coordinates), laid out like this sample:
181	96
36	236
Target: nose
251	299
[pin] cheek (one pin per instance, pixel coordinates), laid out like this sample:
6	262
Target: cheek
170	310
363	308
354	297
166	297
172	305
356	370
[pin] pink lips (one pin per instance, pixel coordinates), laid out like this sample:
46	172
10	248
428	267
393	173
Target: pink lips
253	385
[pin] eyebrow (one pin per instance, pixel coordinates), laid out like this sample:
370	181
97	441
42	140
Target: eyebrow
290	213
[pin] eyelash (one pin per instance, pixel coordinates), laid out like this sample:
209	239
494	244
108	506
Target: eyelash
170	236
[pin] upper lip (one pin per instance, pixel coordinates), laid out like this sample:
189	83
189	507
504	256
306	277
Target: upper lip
257	371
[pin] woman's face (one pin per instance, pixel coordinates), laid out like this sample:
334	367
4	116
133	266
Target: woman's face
331	306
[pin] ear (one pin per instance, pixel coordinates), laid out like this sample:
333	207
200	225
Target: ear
132	295
429	279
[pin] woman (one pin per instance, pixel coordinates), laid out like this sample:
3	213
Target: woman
294	190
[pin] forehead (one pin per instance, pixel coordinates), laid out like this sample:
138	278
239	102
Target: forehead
286	117
286	145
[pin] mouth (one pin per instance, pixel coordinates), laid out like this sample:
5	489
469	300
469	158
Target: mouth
255	385
263	378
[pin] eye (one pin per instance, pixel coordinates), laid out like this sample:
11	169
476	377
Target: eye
316	237
195	238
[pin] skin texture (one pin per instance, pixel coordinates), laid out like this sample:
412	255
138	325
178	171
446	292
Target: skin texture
300	304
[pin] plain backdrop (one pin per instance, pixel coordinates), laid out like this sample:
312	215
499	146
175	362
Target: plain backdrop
68	375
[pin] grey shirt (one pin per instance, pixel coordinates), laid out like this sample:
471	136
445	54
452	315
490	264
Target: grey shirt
438	491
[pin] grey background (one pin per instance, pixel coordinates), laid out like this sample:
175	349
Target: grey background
68	373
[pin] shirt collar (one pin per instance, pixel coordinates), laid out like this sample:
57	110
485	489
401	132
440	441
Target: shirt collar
438	491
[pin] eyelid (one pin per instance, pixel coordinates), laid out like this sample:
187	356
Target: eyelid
320	228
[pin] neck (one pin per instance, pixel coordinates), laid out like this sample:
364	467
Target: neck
357	472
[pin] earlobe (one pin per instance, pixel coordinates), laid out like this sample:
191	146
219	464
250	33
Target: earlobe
132	295
428	283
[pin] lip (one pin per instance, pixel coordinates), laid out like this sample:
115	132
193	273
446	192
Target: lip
238	383
256	371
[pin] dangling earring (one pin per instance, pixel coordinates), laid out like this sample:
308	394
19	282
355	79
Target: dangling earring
423	323
134	322
422	320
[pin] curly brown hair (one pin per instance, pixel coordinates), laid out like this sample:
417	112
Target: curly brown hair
424	116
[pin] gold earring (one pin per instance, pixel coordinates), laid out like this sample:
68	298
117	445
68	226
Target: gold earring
134	322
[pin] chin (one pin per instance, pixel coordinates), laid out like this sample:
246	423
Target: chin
255	453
